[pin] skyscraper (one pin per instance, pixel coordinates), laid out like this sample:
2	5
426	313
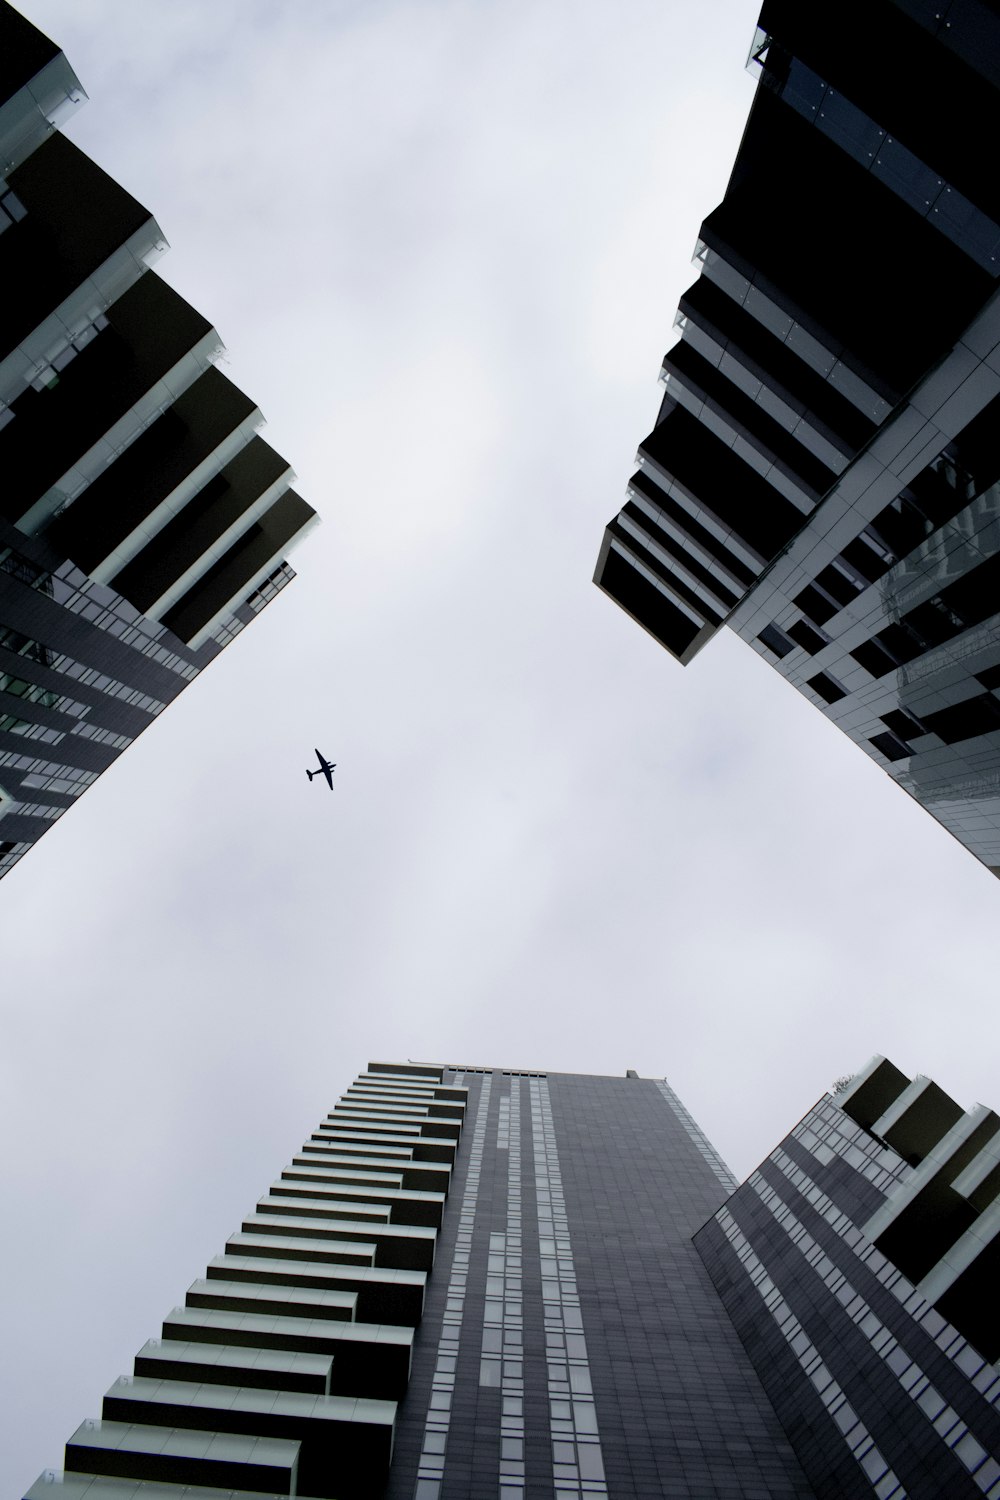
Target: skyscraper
823	474
476	1282
858	1266
143	521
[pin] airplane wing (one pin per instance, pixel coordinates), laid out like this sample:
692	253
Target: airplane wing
327	767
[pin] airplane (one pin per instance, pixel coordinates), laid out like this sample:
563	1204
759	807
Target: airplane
325	768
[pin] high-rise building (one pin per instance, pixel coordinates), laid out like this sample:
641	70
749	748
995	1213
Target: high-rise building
143	521
475	1282
823	474
858	1265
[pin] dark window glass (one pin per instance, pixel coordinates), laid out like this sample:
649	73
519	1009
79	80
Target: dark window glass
803	88
990	678
836	583
889	746
976	595
19	567
967	467
872	540
963	721
775	640
903	724
934	622
809	639
828	688
944	488
864	560
973	455
901	526
970	600
874	658
815	605
901	643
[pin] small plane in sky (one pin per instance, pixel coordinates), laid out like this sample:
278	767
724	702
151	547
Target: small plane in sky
326	768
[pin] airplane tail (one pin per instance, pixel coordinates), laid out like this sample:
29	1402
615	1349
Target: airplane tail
311	774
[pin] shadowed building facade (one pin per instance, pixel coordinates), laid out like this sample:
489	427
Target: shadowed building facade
824	473
143	520
475	1282
858	1266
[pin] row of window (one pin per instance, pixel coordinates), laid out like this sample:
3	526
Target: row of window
577	1462
708	1151
39	810
946	1421
826	1132
101	736
10	852
10	724
261	596
502	1358
966	470
70	786
969	599
884	1483
31	692
49	776
965	720
984	1376
46	376
109	611
435	1442
72	589
89	676
838	1135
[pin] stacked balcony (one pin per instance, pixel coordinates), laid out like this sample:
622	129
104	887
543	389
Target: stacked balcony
940	1228
122	445
282	1371
143	520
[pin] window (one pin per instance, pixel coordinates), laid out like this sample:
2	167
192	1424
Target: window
828	688
903	724
775	640
12	210
874	658
989	677
809	639
46	376
965	720
838	583
815	604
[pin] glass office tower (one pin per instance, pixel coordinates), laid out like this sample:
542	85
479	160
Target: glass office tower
143	520
476	1282
824	473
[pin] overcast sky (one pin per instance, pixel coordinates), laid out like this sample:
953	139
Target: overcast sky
444	243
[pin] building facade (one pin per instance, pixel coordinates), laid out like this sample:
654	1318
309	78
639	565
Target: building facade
143	520
857	1264
490	1283
823	474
